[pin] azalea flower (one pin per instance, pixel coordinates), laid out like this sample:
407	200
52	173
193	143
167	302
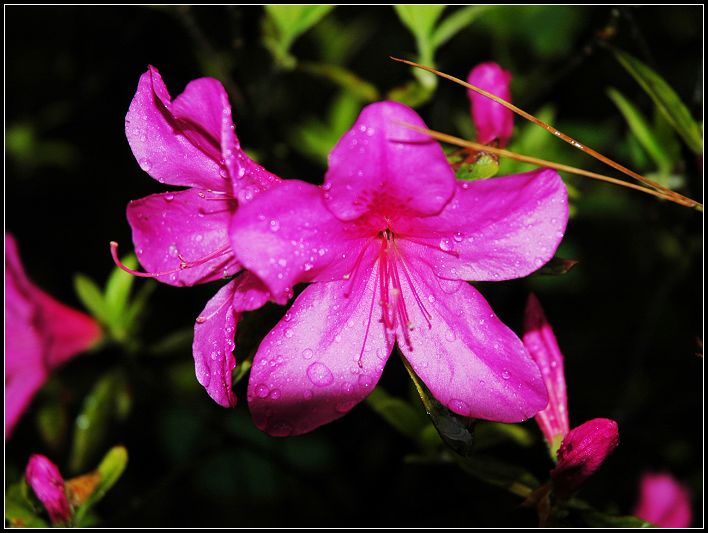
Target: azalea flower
493	121
48	484
664	501
390	240
581	451
181	236
41	335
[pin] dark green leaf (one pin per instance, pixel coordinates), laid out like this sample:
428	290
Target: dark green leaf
666	100
557	266
490	470
396	412
20	511
455	430
642	131
460	19
344	78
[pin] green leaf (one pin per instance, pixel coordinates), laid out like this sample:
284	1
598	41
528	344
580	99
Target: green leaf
412	93
52	422
118	289
240	371
287	23
457	21
486	166
420	19
19	508
666	99
455	430
397	413
490	470
101	480
92	423
90	295
642	131
344	78
489	434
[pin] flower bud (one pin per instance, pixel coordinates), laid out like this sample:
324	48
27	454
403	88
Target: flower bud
492	120
46	482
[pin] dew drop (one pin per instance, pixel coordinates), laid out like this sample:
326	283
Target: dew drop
319	374
145	164
262	390
274	225
458	237
288	333
459	406
445	245
275	394
506	374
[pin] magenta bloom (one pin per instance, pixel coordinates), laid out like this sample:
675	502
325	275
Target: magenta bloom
181	237
542	345
663	501
582	452
40	335
389	240
492	120
46	482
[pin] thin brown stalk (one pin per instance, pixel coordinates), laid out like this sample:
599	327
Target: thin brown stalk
677	198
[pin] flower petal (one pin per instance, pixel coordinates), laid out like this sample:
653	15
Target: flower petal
289	236
471	362
185	235
323	357
214	333
582	452
541	343
48	484
167	148
664	501
494	229
492	120
381	165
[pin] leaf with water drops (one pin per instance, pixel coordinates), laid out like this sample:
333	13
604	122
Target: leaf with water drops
455	430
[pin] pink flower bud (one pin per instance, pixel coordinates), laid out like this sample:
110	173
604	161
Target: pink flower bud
541	343
582	452
492	120
663	501
46	482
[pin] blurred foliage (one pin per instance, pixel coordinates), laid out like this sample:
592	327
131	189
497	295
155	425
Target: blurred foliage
628	316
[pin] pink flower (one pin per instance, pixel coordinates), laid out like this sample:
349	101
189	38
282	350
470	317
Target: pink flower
663	501
46	482
582	452
492	120
41	334
390	239
181	237
541	343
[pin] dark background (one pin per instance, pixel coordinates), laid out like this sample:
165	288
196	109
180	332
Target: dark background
628	318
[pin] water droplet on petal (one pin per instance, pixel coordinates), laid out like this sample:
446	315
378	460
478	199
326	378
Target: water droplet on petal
445	245
506	374
457	237
262	390
274	225
319	374
275	394
459	406
288	333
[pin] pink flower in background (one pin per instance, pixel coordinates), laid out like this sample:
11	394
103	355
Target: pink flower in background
664	501
40	335
542	345
389	240
492	120
47	483
181	237
582	450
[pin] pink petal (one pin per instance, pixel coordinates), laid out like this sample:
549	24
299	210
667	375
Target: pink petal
289	236
48	484
173	150
41	333
582	452
380	165
184	228
467	357
214	333
492	120
323	357
664	501
495	229
541	343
